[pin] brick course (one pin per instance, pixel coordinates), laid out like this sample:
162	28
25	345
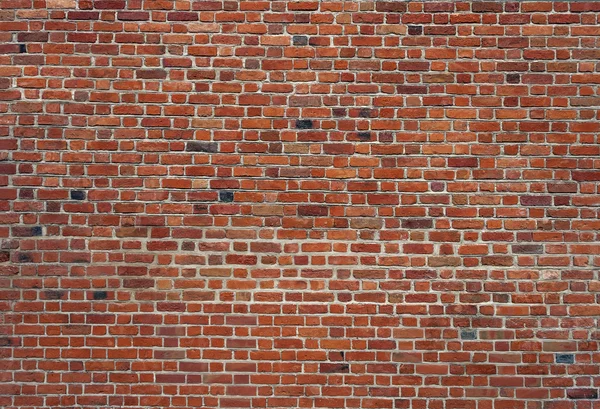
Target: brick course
299	204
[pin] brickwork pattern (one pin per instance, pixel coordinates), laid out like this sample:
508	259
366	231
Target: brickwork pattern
299	204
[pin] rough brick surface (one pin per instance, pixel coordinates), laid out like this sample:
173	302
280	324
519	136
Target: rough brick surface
299	204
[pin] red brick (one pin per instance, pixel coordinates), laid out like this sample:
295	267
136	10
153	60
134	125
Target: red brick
299	204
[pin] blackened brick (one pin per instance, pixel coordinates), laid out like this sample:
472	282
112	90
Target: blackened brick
100	295
78	195
334	368
194	146
226	196
25	258
300	40
565	358
468	334
304	124
364	113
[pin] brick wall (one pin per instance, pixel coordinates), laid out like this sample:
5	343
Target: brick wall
299	204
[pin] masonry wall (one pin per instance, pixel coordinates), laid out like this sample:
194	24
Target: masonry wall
299	204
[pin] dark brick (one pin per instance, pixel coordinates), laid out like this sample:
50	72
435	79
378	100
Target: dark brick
109	4
562	187
497	261
417	223
54	294
338	112
25	258
133	15
438	7
28	59
439	30
226	196
364	113
138	283
313	210
193	366
22	231
78	195
303	18
579	7
386	137
37	37
565	358
100	295
304	124
83	15
513	78
182	16
583	393
151	74
22	48
300	40
513	42
468	334
463	162
413	66
5	341
415	30
9	48
527	248
364	136
583	176
536	200
4	256
334	368
195	146
391	6
411	89
487	7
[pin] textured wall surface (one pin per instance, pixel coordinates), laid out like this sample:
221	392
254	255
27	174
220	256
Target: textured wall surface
299	204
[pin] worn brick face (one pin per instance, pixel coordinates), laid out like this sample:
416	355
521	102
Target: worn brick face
299	204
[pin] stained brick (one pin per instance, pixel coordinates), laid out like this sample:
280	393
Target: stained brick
582	393
78	195
300	40
100	295
304	124
527	248
565	358
194	146
226	196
